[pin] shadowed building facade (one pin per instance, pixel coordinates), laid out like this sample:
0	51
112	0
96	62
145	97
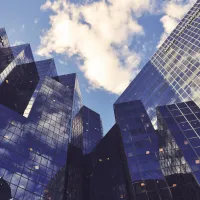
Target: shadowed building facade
141	146
179	130
87	129
105	170
86	134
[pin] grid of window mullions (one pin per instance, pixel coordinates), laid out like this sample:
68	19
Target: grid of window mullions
171	147
189	122
168	64
24	187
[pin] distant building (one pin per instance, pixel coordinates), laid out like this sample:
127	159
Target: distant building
87	129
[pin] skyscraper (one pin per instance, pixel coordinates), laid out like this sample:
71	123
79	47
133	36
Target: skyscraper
179	130
106	173
87	129
35	122
173	73
86	134
141	149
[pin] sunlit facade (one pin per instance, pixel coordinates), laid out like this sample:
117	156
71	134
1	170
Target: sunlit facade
173	73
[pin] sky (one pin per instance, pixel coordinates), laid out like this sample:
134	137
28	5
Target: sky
106	42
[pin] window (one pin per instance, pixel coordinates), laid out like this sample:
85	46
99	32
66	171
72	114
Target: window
190	117
172	107
180	119
185	111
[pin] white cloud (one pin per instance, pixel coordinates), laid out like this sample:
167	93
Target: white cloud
36	20
62	62
101	41
22	27
174	11
17	42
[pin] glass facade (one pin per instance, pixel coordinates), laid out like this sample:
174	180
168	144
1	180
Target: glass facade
34	149
52	147
35	126
17	88
142	151
173	73
11	57
71	81
106	172
86	134
87	129
179	130
44	68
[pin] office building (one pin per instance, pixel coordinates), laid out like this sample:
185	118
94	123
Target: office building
105	171
87	130
141	146
173	73
36	109
179	130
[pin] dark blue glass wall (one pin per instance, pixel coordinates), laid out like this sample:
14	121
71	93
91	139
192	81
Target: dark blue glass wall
142	151
35	127
179	130
17	89
71	81
87	129
34	149
105	171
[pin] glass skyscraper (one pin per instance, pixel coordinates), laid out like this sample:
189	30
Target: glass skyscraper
173	73
179	130
36	109
141	149
87	129
51	146
105	172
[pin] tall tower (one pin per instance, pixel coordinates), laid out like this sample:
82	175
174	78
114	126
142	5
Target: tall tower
179	130
107	177
173	73
141	147
36	112
87	129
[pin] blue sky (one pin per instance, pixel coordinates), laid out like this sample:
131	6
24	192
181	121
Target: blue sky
106	42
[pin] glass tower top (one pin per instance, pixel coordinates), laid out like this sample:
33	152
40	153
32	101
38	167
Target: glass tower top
173	73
